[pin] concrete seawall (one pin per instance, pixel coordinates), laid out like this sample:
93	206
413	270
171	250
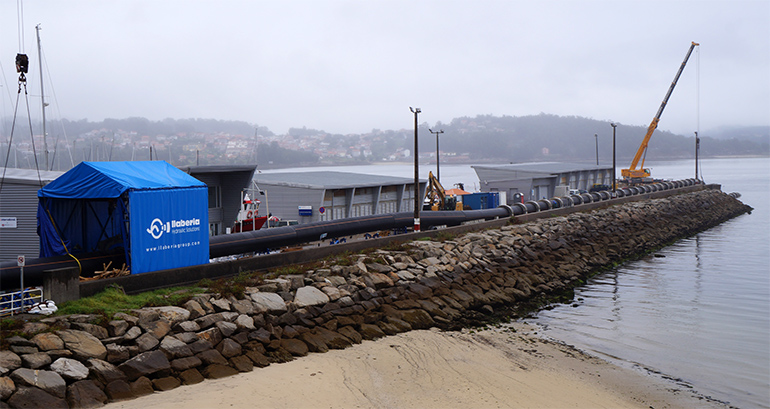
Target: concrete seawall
445	282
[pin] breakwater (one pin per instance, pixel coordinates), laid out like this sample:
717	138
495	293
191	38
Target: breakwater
365	296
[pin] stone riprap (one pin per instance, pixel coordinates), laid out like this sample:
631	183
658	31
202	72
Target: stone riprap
425	284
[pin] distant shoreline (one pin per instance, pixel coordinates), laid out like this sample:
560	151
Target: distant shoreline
490	161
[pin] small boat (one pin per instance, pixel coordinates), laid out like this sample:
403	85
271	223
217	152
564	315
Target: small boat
248	218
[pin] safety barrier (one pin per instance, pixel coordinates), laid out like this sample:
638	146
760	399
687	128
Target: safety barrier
17	302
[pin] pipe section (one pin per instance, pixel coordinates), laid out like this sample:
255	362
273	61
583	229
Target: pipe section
262	240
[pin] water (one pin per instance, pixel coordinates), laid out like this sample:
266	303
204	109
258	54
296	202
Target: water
700	314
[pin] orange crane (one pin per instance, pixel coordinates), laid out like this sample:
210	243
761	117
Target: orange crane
632	172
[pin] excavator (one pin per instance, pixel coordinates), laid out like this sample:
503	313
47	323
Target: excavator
632	174
436	197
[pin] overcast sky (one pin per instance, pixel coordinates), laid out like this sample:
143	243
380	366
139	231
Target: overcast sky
352	66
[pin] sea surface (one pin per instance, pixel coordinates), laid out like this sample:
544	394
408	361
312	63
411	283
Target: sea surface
696	312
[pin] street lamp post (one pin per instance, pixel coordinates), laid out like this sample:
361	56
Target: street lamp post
438	170
697	148
614	179
596	138
416	111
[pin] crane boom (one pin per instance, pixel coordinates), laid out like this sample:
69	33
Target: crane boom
632	171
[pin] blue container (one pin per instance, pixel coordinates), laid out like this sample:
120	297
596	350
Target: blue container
483	200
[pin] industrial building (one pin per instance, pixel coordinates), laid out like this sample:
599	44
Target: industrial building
318	196
225	184
534	181
18	203
18	211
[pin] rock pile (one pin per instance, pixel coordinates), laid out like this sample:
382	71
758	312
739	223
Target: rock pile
77	361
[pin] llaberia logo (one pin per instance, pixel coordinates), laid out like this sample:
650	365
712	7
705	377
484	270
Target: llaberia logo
158	227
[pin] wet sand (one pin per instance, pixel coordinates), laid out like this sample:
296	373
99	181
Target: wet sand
493	368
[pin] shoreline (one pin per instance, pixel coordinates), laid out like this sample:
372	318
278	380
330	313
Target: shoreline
486	368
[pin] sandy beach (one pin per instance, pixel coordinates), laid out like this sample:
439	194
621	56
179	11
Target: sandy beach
509	367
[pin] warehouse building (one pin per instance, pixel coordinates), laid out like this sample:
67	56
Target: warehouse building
18	203
18	211
534	181
319	196
225	184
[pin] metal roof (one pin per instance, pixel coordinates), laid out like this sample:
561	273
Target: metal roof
550	168
218	168
330	180
28	176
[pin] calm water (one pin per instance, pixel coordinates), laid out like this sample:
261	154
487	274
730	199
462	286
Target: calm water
700	314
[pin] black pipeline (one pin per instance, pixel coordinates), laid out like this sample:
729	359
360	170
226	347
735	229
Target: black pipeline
275	238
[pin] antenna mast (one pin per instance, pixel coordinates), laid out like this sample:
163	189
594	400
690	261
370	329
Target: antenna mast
42	94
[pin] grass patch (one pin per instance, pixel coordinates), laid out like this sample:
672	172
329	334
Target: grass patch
113	300
235	286
443	236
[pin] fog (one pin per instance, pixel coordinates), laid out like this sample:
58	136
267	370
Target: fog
353	66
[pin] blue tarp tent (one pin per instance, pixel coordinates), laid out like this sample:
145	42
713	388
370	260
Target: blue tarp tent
157	213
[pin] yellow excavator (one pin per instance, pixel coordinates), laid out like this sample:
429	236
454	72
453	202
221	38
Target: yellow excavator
632	173
436	197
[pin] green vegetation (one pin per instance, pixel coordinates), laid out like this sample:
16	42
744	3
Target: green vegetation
113	300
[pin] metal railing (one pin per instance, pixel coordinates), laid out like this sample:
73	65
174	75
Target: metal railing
17	302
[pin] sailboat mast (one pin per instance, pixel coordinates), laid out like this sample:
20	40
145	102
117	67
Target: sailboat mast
42	94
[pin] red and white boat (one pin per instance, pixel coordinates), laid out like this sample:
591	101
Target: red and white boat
248	218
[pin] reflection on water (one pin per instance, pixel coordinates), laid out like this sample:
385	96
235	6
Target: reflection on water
698	310
701	313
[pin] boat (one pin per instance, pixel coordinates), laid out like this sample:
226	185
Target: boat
248	218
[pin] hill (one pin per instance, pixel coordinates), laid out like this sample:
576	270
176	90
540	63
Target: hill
484	138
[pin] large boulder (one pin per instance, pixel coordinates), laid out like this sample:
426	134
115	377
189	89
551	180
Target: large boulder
96	330
35	398
104	371
158	328
9	362
229	348
35	360
47	341
174	348
49	381
309	295
144	364
217	371
82	344
269	302
70	369
142	386
85	394
294	346
7	387
212	357
172	314
183	364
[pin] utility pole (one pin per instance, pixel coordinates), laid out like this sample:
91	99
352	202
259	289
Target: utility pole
42	94
438	171
614	179
417	200
596	138
697	148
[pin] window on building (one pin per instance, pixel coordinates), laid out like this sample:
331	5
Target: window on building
215	197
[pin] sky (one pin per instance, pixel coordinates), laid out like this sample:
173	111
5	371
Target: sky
353	66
